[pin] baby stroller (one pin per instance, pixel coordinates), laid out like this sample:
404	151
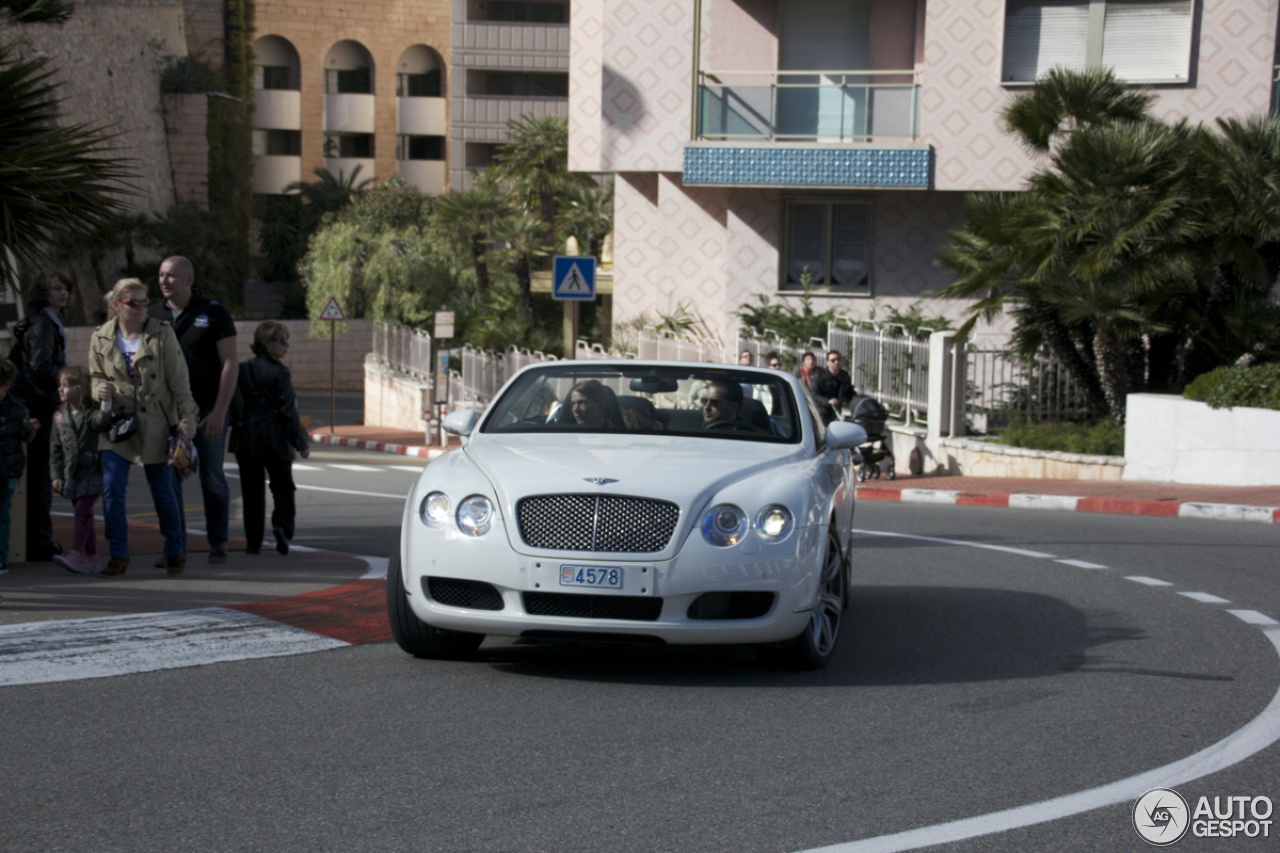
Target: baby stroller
867	413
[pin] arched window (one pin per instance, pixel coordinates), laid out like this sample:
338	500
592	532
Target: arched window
275	64
348	69
420	73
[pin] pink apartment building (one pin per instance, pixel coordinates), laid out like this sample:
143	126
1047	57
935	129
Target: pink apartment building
758	142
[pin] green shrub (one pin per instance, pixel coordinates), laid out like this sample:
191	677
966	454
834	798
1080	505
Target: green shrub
1258	387
1103	438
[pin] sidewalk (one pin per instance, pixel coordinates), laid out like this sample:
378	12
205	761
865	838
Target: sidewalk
1228	503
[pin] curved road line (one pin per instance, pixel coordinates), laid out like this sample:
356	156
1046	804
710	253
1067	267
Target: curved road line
1256	735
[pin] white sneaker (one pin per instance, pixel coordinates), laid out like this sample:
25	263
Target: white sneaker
76	562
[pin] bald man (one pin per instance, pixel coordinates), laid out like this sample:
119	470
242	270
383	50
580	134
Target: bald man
208	337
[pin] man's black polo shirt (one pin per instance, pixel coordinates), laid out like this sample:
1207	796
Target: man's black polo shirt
199	327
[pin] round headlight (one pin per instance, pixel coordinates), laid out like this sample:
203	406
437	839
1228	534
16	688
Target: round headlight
774	522
724	525
435	508
475	515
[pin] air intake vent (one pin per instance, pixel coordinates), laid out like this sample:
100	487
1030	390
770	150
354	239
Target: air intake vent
474	595
632	607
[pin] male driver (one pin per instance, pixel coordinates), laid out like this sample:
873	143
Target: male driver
208	337
721	403
832	388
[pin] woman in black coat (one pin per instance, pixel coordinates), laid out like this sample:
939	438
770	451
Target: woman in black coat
267	430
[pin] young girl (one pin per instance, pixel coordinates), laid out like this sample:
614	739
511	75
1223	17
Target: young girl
74	465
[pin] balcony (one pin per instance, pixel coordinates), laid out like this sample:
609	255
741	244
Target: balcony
808	106
421	116
277	109
429	176
819	129
346	167
272	173
348	113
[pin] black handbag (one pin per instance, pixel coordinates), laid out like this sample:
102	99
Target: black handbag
123	425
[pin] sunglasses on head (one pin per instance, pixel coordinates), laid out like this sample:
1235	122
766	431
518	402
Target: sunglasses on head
133	303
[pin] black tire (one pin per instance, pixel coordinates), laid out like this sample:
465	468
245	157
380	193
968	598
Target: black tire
815	646
417	637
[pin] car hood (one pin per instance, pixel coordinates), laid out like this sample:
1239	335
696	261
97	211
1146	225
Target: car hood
686	471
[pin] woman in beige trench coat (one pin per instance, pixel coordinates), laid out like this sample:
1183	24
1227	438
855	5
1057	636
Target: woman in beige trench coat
136	365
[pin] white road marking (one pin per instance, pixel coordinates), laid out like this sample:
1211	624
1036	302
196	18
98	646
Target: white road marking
1253	617
298	466
1147	581
417	469
352	492
1020	551
1258	734
1081	564
344	467
1205	597
232	465
64	650
1226	512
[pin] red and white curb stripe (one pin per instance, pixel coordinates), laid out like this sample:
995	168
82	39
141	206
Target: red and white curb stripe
416	451
1112	506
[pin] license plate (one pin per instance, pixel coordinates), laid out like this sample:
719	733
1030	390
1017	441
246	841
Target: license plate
600	577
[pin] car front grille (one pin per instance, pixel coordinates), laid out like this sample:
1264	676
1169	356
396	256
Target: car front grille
585	606
597	523
453	592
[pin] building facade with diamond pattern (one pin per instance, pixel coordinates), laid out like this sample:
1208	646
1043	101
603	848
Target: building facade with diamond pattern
762	144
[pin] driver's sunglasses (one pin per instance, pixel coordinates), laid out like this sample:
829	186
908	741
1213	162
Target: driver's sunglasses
775	365
710	403
284	341
835	359
133	303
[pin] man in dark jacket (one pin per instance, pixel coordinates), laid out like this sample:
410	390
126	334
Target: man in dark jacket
39	353
832	388
208	338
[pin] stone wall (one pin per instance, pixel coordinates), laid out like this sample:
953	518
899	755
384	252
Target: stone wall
186	121
308	358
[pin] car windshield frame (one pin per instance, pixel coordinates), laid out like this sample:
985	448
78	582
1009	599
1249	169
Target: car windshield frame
644	399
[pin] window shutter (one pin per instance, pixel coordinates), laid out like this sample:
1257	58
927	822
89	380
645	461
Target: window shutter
849	241
1148	40
823	35
1039	34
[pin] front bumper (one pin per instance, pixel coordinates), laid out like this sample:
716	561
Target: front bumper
788	569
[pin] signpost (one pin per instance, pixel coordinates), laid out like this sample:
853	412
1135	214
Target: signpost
573	280
333	313
440	389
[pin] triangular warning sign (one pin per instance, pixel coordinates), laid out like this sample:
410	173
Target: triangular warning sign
574	282
332	311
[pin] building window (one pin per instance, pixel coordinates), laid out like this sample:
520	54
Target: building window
272	77
277	143
418	85
518	84
1144	41
348	145
358	81
419	147
524	12
826	245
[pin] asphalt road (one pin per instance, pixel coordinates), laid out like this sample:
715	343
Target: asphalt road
969	681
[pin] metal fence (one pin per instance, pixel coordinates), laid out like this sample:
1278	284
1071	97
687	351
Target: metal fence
887	363
483	372
403	348
1001	386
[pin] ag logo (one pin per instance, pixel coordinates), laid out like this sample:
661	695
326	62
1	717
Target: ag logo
1161	816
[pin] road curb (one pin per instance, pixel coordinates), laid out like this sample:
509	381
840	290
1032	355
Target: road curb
416	451
1067	503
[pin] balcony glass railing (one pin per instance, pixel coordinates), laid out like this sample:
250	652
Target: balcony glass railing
807	106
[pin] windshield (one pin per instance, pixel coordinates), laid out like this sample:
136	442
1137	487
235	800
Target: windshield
708	402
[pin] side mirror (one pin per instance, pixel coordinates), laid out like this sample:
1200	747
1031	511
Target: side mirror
461	422
842	435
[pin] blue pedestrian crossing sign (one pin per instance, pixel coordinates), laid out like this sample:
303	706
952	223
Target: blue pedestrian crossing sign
573	278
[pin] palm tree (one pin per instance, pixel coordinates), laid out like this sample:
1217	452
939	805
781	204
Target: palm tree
470	215
536	164
521	232
1064	100
586	215
58	181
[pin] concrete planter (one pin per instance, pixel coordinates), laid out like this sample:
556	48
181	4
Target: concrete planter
983	459
1169	439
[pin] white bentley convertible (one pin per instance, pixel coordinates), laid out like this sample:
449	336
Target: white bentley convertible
632	501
